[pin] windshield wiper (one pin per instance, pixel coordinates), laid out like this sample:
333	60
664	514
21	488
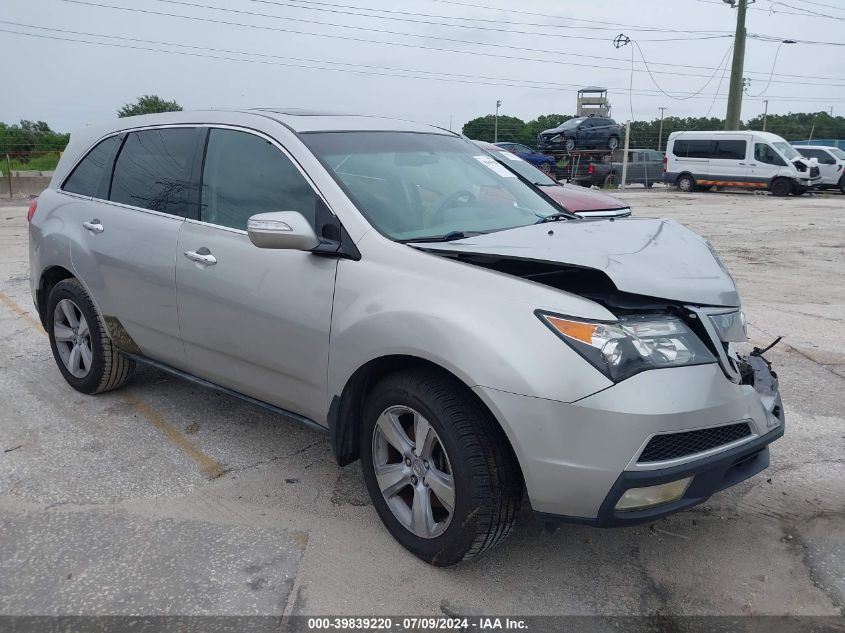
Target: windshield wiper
554	217
454	235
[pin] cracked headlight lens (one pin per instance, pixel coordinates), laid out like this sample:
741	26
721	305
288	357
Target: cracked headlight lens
730	326
631	345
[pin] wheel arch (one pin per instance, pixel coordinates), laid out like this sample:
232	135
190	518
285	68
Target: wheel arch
50	276
346	409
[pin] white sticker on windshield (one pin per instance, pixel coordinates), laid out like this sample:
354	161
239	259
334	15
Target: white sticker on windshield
492	165
510	156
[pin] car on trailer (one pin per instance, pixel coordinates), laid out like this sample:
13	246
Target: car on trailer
585	132
541	161
585	202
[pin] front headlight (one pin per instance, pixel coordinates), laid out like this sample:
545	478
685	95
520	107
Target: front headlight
632	344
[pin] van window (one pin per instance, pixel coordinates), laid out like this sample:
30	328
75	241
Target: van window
245	174
765	153
693	148
88	175
153	171
730	150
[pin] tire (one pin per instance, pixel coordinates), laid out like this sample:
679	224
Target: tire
613	143
781	187
798	190
686	183
468	448
546	168
609	181
73	323
570	144
842	184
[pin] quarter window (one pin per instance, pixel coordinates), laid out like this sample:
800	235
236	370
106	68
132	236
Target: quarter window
153	171
89	174
245	174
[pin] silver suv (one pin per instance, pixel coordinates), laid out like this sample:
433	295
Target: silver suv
444	320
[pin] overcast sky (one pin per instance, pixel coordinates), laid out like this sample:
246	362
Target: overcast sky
69	84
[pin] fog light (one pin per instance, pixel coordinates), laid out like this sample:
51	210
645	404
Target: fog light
641	498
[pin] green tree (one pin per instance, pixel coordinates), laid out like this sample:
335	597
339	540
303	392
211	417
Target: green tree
483	128
30	138
148	104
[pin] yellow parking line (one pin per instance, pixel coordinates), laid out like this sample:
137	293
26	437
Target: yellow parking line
209	465
26	316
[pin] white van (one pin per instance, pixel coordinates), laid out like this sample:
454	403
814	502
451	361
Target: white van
752	160
831	164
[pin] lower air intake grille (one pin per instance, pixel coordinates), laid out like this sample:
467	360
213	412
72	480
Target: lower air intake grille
674	445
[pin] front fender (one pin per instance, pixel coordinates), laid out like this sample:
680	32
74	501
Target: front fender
477	324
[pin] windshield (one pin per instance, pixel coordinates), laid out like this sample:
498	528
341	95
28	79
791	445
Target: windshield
523	168
413	186
787	150
837	152
572	123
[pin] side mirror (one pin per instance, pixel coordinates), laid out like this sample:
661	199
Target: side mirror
282	230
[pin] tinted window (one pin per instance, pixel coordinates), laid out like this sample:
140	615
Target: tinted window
153	171
89	173
732	150
822	156
764	153
694	148
244	175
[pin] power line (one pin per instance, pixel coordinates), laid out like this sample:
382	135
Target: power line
407	73
370	41
694	94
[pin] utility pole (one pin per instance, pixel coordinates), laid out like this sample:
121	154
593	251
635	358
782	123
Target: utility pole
735	94
496	124
812	129
766	113
660	136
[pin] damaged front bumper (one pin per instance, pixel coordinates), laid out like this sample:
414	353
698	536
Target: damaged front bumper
579	459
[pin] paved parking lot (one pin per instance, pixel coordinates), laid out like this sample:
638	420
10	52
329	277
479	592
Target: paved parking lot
165	498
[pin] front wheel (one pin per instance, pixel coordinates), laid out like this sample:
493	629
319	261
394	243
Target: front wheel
570	144
546	168
781	187
83	350
842	184
439	470
686	183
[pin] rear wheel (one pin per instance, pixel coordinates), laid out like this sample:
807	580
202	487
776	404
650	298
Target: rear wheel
686	183
609	181
612	143
546	168
81	347
570	144
781	187
440	472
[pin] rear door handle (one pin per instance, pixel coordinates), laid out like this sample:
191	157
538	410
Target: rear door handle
753	164
741	163
94	226
201	256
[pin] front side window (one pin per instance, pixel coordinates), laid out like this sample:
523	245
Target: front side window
153	171
92	170
764	153
571	124
245	174
427	186
837	152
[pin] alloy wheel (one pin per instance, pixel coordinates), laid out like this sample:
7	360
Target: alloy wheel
413	471
73	338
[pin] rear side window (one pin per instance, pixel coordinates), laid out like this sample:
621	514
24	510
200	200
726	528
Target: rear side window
153	171
693	148
91	170
245	174
731	150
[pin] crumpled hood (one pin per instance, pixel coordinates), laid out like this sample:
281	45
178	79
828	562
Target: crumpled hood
644	256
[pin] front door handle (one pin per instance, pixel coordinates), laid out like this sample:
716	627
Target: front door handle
94	226
741	164
201	256
753	164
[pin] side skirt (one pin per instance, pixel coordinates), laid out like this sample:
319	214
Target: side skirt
210	385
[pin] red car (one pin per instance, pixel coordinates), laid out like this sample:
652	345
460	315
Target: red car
587	203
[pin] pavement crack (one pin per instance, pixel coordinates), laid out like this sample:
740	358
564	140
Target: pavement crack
276	458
